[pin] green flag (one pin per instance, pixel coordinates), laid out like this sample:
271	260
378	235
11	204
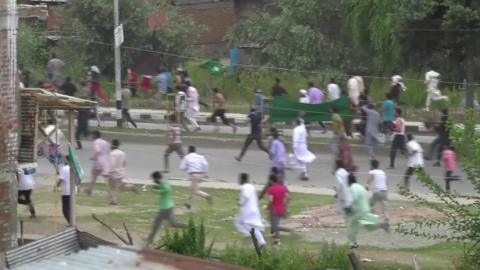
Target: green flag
75	163
214	67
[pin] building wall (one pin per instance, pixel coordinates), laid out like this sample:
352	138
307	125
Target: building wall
8	127
216	17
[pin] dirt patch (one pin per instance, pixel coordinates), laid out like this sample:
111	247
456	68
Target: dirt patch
326	217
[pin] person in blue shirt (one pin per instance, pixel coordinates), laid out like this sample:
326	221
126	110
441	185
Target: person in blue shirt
388	112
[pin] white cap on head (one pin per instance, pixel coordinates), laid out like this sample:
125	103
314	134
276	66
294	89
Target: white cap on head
95	69
396	78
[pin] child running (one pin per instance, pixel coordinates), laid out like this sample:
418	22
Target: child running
450	163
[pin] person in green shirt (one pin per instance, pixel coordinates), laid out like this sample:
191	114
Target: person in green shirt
359	214
338	130
166	206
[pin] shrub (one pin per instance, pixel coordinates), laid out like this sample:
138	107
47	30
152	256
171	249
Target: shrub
189	241
462	219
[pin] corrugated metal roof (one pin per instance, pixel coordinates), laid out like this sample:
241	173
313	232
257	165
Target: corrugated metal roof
100	258
62	251
61	243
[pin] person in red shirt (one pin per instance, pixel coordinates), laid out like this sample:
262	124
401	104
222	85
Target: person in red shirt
133	81
278	196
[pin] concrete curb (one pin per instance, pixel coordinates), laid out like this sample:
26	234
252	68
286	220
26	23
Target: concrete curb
158	116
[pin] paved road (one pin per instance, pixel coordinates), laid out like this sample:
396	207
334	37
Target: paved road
145	158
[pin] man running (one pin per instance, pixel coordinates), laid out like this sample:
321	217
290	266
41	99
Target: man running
25	189
101	161
415	159
359	214
343	196
398	142
174	142
197	167
278	153
219	106
377	182
249	217
371	129
193	106
278	197
255	134
302	157
118	175
166	206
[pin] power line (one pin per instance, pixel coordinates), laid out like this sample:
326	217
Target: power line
254	66
439	30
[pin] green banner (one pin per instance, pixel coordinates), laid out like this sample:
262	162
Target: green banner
285	110
75	163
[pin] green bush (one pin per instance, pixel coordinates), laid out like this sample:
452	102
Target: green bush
189	241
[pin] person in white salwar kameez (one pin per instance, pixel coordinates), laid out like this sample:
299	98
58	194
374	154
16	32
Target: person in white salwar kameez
432	79
356	87
193	106
343	196
249	217
301	156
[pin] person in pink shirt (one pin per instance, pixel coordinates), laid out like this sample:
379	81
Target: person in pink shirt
278	196
101	160
450	163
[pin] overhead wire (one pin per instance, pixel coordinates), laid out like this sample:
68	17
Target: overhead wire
255	66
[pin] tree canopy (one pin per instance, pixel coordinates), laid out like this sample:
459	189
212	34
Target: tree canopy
361	36
415	34
88	24
302	34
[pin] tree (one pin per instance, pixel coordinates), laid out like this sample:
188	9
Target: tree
89	24
299	34
462	219
32	48
413	34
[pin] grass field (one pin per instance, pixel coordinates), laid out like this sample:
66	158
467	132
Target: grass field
137	211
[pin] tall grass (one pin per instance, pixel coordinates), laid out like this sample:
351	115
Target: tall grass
329	256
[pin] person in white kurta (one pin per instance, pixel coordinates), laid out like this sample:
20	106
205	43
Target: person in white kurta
301	156
193	106
344	198
356	87
432	78
101	160
249	217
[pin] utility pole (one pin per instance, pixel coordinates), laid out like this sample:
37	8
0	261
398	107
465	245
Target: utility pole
118	68
9	126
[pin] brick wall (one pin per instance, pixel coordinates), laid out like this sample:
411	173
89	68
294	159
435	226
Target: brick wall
8	128
217	17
